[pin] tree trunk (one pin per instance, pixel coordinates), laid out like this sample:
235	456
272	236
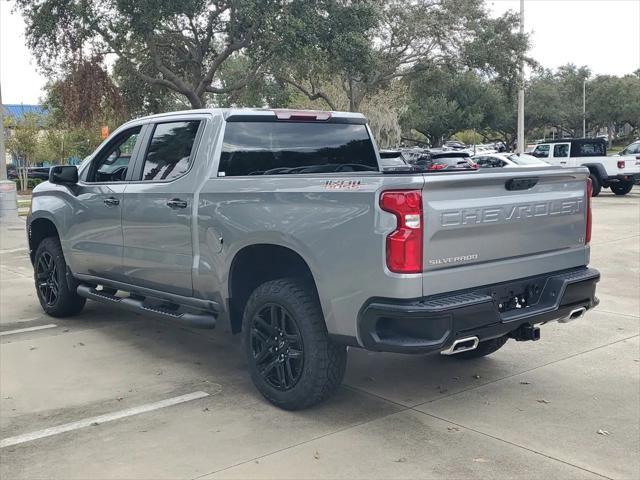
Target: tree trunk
195	101
609	136
23	177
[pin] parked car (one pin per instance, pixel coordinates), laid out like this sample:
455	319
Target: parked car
500	160
632	149
283	226
392	159
613	172
449	161
455	144
40	173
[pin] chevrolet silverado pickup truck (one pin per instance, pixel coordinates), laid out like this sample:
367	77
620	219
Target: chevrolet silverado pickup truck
283	227
619	173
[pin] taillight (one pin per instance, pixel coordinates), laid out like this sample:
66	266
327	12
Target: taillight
587	236
437	166
621	164
404	244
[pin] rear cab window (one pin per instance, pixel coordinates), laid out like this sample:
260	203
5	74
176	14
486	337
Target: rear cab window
266	147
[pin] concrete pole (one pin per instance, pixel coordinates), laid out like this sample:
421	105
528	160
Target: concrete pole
8	197
521	142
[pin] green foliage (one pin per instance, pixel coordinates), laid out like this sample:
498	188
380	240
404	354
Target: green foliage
85	96
30	185
445	101
429	68
180	46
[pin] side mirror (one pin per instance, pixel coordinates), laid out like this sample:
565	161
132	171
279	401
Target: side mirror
64	175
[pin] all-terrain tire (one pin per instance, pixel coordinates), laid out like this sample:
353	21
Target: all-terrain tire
50	268
621	188
323	361
484	348
596	186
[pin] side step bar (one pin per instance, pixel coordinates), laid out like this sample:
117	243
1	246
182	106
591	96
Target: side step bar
197	320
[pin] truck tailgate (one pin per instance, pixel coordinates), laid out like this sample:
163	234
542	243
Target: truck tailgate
477	219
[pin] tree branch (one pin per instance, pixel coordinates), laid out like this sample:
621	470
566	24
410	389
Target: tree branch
311	95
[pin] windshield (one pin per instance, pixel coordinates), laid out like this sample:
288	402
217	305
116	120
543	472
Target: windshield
277	148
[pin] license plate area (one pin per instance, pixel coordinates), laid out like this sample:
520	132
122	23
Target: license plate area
517	296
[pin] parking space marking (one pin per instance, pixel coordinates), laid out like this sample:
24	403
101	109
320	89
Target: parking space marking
100	419
28	329
14	250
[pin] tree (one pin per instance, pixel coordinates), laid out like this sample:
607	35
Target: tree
370	45
23	144
444	101
554	99
71	103
180	46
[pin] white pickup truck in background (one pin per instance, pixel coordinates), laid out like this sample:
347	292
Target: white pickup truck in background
619	172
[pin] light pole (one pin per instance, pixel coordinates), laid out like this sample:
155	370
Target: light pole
584	108
521	89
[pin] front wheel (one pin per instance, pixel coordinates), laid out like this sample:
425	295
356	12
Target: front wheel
621	188
292	361
50	270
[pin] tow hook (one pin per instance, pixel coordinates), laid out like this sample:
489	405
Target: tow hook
526	332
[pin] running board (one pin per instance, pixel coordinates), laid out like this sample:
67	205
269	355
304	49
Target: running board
197	320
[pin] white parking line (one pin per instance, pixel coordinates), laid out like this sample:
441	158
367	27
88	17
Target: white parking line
67	427
14	250
28	329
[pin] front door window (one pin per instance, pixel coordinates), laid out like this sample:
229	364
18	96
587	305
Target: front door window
112	162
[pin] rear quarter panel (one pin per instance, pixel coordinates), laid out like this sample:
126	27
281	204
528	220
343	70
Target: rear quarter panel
340	233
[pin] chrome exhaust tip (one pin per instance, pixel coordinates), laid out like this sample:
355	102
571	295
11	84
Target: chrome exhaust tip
575	314
462	345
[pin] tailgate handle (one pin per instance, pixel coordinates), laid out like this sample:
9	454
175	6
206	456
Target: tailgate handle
521	183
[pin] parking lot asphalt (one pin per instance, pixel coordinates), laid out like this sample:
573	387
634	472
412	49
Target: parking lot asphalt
110	394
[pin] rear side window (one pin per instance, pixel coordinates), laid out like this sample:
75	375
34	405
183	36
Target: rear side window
169	153
281	148
594	149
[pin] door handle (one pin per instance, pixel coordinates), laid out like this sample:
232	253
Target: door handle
111	202
176	203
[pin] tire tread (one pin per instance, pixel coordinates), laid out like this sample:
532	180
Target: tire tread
329	358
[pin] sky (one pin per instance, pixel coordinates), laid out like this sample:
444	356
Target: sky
602	34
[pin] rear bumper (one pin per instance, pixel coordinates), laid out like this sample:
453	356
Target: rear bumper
432	324
630	177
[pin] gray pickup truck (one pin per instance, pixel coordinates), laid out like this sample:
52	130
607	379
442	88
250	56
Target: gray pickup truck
282	225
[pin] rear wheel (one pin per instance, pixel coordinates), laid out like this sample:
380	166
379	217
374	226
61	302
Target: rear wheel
596	185
53	291
484	348
292	361
621	188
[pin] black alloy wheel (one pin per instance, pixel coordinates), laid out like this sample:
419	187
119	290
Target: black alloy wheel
277	347
47	278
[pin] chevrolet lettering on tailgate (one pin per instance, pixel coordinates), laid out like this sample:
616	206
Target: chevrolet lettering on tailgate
511	213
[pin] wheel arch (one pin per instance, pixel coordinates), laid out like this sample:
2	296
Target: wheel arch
40	228
597	169
255	264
